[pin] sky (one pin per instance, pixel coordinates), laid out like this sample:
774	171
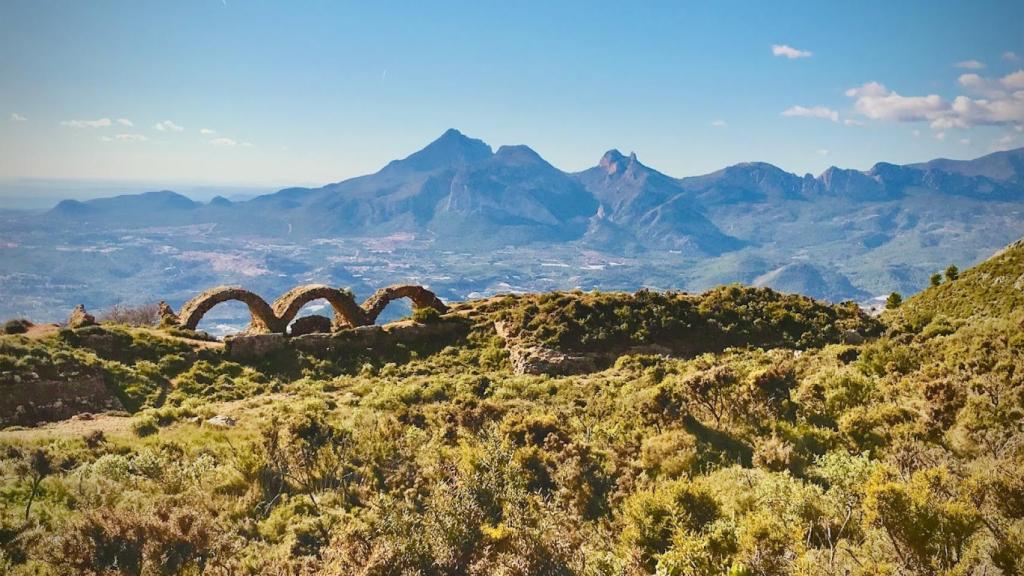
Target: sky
231	93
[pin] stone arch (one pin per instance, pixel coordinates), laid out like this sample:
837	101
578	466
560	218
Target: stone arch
263	318
420	296
346	311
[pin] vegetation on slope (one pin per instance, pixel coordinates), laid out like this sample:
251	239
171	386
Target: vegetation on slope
900	455
993	288
717	319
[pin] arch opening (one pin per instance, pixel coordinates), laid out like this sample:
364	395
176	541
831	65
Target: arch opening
263	320
346	311
420	297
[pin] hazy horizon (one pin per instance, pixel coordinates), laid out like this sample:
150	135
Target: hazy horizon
44	193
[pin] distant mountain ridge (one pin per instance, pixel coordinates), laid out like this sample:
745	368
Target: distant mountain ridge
842	234
458	186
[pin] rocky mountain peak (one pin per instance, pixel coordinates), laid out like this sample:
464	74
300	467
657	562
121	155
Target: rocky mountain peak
614	162
451	149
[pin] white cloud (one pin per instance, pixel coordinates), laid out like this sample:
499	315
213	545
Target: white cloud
247	144
207	131
15	117
877	102
1013	80
125	122
852	122
168	126
813	112
789	52
1010	56
822	152
100	123
993	87
124	138
719	123
965	141
1003	103
916	133
223	142
1004	143
970	64
940	135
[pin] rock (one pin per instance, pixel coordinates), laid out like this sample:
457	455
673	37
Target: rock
221	421
247	346
167	315
532	359
311	325
538	360
79	318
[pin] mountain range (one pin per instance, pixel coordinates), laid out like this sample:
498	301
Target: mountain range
844	234
458	187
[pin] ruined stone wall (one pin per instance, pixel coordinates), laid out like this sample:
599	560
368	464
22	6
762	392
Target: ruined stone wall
359	340
274	319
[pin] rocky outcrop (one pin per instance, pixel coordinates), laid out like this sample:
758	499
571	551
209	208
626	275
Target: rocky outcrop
538	360
528	358
79	318
167	315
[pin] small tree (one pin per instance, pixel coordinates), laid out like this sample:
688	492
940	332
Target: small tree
936	279
952	273
893	301
37	466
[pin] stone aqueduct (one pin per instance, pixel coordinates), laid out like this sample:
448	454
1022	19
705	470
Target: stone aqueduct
275	318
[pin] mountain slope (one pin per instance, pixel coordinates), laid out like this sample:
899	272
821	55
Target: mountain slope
804	278
652	207
993	288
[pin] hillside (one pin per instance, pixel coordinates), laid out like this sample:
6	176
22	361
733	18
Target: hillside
738	431
994	288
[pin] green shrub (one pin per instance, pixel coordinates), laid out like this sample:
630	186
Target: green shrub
425	315
17	326
145	425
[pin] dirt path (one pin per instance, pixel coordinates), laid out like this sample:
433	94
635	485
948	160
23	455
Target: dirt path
120	424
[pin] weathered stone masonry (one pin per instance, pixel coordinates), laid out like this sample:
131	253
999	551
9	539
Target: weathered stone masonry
274	319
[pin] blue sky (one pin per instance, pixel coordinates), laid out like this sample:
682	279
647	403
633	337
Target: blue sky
275	93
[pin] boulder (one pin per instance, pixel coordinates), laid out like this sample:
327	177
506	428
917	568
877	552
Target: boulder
311	325
79	318
221	421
